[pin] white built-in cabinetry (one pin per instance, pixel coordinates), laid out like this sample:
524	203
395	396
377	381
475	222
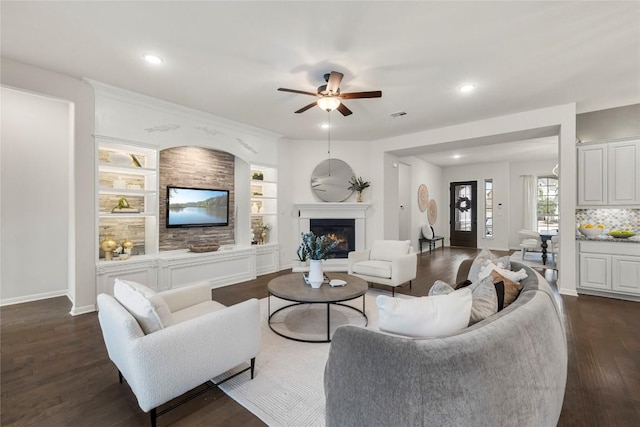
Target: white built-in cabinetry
609	268
609	173
129	170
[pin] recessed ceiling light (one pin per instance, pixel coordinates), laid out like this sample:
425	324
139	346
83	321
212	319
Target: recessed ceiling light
456	156
152	59
468	87
325	126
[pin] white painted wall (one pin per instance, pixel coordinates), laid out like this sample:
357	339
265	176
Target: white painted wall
297	159
37	138
516	201
423	172
499	173
82	248
560	120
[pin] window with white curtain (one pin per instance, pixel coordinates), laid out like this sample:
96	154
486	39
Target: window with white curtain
547	204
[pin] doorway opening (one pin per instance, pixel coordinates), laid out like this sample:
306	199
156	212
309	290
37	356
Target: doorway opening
464	216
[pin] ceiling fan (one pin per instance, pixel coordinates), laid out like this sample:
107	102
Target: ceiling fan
329	96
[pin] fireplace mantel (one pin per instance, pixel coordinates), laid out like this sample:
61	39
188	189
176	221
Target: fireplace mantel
332	210
328	210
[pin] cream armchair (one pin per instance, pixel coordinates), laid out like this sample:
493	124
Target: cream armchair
388	262
168	343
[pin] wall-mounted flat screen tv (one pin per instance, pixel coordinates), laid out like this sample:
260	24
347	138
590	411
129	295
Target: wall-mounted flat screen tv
197	207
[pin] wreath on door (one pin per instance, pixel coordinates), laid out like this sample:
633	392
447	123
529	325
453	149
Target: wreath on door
463	204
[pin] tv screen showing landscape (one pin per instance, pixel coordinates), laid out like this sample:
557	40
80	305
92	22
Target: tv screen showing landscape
197	207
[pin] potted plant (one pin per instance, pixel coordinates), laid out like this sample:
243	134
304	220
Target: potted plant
317	248
358	184
303	255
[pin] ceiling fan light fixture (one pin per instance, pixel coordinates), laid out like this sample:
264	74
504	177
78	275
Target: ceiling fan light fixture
328	103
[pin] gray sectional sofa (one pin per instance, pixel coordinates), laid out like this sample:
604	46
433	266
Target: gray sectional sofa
507	370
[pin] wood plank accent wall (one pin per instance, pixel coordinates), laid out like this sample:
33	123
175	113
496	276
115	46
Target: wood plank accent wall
195	167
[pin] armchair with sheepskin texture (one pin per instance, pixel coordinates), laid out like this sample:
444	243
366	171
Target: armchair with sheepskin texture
388	262
166	344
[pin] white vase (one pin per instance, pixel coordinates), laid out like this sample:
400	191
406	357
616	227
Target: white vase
315	273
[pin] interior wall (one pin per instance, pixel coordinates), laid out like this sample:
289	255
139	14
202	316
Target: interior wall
516	200
37	136
499	173
612	123
195	167
423	172
297	159
82	233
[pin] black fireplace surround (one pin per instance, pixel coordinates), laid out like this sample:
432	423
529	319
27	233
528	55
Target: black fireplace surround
343	230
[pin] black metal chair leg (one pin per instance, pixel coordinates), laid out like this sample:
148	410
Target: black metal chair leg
153	417
253	366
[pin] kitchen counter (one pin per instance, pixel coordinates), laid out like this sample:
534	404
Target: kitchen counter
606	238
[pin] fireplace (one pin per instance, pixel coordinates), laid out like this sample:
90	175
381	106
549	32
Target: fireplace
351	214
342	230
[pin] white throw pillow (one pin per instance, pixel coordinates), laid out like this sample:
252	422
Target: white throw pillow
386	250
149	309
425	317
427	231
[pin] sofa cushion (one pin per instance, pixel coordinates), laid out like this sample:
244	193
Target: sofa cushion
373	268
484	258
386	250
144	304
511	289
485	300
196	311
425	317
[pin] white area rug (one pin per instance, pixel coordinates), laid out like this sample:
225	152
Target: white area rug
532	259
288	388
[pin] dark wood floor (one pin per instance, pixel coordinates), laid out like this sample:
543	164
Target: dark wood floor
55	370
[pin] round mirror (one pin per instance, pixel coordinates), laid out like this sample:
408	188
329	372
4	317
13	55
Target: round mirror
330	180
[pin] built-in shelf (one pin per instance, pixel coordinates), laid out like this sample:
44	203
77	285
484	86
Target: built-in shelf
264	202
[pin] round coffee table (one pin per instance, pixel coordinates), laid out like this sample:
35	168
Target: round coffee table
291	287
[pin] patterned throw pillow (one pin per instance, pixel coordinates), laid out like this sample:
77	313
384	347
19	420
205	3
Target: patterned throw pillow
511	289
440	288
485	258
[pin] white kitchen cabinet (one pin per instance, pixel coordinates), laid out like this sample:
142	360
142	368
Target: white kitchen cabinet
592	175
595	271
609	173
625	274
609	267
623	173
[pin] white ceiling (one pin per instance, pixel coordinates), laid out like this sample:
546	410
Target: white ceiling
228	58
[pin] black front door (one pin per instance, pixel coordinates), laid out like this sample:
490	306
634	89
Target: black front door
463	219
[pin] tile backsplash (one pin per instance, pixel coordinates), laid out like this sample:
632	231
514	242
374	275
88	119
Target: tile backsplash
610	218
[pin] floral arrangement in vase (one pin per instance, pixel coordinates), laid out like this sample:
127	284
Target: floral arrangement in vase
316	249
358	184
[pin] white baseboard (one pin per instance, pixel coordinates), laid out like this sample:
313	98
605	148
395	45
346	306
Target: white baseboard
34	297
569	292
82	310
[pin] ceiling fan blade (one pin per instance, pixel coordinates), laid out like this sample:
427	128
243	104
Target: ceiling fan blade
305	108
344	110
333	84
356	95
297	91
